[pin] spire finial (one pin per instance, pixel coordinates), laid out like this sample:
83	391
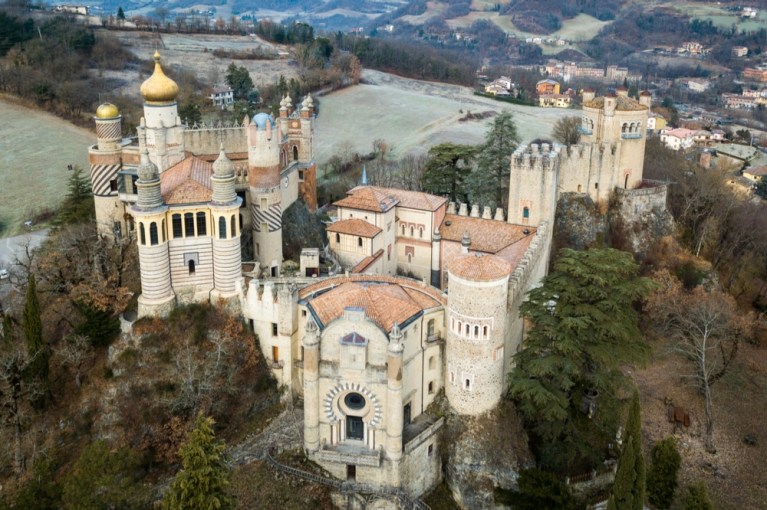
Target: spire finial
364	178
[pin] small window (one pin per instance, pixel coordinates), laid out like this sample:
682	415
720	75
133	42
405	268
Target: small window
596	185
468	328
403	230
431	388
338	238
484	332
241	222
189	224
234	226
163	230
264	204
431	449
467	384
412	231
202	228
300	175
476	331
264	227
243	196
274	329
431	327
222	228
177	230
191	267
141	232
359	241
153	238
420	233
525	212
303	313
295	153
431	362
113	185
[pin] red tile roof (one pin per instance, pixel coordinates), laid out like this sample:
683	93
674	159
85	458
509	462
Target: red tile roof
367	262
355	227
366	199
187	182
409	199
489	236
479	267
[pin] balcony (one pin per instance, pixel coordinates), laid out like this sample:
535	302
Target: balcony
275	365
298	363
631	136
350	454
585	131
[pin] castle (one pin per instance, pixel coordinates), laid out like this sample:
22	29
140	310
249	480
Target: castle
366	349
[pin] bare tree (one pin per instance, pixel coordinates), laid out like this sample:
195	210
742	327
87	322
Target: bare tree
74	352
566	130
706	328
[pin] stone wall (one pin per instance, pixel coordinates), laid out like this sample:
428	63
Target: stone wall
208	140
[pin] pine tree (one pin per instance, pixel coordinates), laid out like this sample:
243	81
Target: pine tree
489	183
625	478
697	498
446	170
120	14
634	432
78	202
611	504
662	476
201	483
37	369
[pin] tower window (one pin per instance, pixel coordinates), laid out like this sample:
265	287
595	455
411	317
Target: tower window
431	388
153	240
141	232
264	227
338	238
163	230
295	153
484	332
274	329
240	221
300	175
222	228
191	267
596	185
476	331
113	185
189	224
431	362
177	231
201	224
467	384
359	241
233	226
264	204
526	213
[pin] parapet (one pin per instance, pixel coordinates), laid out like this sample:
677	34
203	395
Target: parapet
535	157
536	253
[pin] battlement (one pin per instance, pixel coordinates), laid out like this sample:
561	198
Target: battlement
532	265
534	157
207	138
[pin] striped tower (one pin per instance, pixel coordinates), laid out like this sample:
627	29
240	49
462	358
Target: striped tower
266	201
105	160
157	296
224	206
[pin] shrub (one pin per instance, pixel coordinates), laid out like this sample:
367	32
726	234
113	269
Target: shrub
662	476
696	498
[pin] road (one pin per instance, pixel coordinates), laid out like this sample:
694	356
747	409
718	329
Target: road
11	245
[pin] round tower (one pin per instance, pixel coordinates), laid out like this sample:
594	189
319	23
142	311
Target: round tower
395	413
311	387
476	336
105	160
161	123
149	212
224	207
266	199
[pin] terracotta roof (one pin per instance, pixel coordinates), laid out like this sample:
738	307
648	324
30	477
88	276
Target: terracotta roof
355	227
234	156
408	284
366	262
384	303
756	170
645	93
489	236
479	267
622	103
409	199
187	182
365	198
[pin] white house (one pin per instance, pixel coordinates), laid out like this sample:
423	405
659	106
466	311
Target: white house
222	95
678	139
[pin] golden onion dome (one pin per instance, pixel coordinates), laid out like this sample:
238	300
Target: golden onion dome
107	111
159	89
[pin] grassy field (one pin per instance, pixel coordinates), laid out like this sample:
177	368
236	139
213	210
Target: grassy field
432	9
35	149
411	116
720	16
581	28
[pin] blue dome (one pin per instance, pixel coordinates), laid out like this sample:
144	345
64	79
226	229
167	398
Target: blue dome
260	120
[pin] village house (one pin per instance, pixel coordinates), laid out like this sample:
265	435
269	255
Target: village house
695	84
678	139
755	73
72	9
555	100
736	102
755	173
655	122
222	95
547	87
739	51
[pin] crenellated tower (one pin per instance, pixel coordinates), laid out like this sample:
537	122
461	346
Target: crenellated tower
264	137
533	189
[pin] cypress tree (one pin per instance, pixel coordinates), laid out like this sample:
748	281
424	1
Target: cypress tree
697	498
625	478
202	481
662	476
37	350
634	432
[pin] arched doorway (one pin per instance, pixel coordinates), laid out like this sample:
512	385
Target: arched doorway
626	182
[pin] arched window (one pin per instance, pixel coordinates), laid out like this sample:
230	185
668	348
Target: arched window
412	231
240	222
163	230
484	332
580	188
202	227
409	258
189	224
626	182
403	230
177	230
191	267
233	226
476	331
452	324
222	228
141	233
467	330
420	232
526	213
338	238
153	240
359	241
458	329
624	128
295	153
431	327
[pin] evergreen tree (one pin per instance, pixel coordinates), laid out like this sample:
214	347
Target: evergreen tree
662	476
201	483
120	14
102	479
538	490
584	328
446	170
489	183
633	432
41	492
239	79
611	504
37	368
625	478
696	498
9	336
78	202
